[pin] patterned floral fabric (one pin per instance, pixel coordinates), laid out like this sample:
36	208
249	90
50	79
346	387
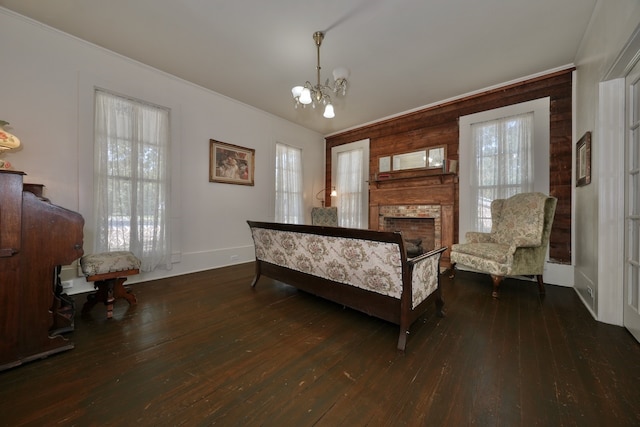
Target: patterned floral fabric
518	219
494	252
108	262
424	279
517	244
479	262
374	266
325	216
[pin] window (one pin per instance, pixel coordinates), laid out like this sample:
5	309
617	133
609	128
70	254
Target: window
502	163
132	179
288	185
350	185
350	172
502	152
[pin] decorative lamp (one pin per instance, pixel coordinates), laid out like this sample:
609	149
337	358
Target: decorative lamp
333	193
7	142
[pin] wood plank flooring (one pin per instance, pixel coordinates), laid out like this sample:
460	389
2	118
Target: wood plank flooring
206	349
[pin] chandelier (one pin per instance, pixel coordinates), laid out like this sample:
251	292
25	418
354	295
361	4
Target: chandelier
319	94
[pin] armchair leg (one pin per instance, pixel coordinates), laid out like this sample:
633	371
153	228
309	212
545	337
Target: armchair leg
496	284
540	284
452	275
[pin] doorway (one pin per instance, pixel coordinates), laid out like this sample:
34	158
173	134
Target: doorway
632	205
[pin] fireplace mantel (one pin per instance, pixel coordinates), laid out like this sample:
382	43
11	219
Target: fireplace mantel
383	178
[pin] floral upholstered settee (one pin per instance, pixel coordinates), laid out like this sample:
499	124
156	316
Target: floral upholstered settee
517	243
362	269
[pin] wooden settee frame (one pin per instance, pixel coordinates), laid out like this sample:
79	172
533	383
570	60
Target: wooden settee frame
395	310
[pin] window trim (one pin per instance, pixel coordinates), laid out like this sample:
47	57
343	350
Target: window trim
541	149
150	260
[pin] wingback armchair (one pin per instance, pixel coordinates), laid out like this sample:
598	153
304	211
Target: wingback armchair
517	243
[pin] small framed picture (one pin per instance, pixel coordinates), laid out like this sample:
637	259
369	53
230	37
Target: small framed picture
230	164
583	160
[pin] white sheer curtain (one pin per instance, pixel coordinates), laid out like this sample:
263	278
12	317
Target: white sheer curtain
131	181
288	185
349	185
503	162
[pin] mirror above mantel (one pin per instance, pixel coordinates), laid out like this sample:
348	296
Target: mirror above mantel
415	160
429	158
436	157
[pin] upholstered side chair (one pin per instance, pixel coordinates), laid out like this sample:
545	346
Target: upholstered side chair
327	216
517	243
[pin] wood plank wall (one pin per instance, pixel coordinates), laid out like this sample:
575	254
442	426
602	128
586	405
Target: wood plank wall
438	125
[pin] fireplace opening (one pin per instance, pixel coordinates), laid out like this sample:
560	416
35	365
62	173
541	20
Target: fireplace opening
418	233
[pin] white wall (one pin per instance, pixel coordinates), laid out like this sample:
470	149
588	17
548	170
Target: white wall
46	93
597	214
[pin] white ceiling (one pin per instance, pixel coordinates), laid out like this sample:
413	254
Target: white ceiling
403	54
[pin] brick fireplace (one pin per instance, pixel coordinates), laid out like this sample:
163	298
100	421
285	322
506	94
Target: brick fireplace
415	222
418	206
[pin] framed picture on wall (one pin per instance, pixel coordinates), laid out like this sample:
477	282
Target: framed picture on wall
583	160
230	164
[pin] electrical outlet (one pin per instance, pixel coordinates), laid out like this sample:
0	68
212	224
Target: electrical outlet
590	291
234	257
66	284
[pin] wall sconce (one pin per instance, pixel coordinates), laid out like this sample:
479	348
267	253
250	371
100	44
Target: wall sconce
333	193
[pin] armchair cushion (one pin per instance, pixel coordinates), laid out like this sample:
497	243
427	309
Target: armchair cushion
492	252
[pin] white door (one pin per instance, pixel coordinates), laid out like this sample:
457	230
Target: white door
350	176
632	206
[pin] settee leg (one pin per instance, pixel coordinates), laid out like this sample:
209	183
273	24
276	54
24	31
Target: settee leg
257	274
255	280
402	339
540	284
439	305
496	284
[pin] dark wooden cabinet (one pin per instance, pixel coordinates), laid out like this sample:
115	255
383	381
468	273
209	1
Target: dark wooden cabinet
36	238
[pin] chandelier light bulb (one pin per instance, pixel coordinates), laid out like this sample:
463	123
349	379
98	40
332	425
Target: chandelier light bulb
341	73
305	96
296	91
328	112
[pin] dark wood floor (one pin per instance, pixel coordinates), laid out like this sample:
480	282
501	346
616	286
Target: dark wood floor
205	349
